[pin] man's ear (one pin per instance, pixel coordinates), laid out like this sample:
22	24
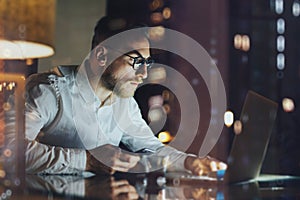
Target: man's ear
101	55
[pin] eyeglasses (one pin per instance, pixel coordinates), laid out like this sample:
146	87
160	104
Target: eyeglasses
138	61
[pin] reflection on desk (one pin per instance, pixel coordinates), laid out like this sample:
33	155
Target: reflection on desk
147	186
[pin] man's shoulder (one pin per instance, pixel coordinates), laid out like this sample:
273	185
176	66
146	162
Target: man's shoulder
49	76
66	70
50	79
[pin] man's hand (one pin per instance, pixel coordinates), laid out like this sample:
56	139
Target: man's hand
109	188
203	166
108	159
199	193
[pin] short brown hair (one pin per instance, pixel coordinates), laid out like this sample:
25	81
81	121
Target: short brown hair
109	26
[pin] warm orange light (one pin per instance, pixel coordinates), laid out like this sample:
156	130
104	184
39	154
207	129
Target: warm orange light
156	33
2	173
165	95
7	153
165	137
156	17
167	13
156	4
167	108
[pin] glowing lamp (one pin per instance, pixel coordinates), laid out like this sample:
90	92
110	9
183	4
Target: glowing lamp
26	29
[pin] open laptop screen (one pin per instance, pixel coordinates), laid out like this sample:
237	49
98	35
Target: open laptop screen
250	145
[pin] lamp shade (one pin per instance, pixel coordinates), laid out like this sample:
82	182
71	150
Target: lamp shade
26	28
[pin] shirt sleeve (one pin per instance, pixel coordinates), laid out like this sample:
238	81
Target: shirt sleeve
137	134
45	159
40	110
63	185
176	158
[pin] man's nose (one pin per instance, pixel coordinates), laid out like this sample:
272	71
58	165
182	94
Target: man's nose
142	71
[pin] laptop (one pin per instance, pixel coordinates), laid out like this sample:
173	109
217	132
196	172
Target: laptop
249	146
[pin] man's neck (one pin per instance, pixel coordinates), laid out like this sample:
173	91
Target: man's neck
104	95
101	92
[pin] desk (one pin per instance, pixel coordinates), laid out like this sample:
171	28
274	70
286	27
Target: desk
143	186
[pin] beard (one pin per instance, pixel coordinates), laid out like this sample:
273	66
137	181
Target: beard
121	88
108	80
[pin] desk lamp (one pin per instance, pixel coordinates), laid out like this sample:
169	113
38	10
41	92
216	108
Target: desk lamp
26	29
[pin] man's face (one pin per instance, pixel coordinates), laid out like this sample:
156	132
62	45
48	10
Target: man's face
120	77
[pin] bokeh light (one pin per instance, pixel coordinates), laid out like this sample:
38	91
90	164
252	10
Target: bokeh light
237	127
228	118
288	105
165	137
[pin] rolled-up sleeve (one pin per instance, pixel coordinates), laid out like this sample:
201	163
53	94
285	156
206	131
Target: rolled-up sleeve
41	109
45	159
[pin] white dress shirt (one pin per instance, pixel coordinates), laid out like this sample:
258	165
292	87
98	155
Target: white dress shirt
82	126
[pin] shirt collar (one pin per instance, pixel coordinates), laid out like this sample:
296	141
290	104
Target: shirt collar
85	89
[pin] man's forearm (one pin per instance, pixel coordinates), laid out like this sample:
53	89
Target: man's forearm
176	158
46	159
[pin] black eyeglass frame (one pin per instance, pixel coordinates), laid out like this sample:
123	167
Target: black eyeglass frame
137	65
